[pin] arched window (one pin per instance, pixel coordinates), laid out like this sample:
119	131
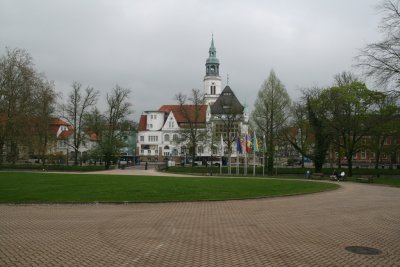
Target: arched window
166	138
166	148
175	137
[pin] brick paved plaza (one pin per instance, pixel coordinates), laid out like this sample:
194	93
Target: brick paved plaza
308	230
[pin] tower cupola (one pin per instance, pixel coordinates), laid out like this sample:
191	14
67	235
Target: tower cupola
212	80
212	63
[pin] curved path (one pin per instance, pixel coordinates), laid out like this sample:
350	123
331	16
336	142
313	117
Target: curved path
308	230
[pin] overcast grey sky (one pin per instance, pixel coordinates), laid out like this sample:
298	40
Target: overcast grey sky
158	48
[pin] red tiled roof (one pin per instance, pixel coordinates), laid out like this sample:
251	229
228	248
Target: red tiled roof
58	122
142	123
94	137
66	134
181	111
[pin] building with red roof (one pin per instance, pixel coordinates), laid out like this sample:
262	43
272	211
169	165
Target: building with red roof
161	132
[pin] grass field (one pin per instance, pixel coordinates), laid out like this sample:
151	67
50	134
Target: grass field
23	187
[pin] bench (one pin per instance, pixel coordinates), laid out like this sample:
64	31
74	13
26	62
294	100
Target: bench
317	175
367	179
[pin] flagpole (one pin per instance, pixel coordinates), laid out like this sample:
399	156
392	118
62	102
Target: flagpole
245	162
263	164
254	162
237	162
222	153
245	156
254	152
237	156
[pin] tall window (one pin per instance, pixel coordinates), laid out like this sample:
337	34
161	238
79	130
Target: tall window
221	128
166	138
153	138
363	154
141	138
213	89
175	137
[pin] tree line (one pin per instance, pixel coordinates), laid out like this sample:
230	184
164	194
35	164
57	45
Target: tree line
29	103
345	117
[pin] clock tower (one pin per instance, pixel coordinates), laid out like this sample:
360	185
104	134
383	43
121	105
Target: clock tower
212	80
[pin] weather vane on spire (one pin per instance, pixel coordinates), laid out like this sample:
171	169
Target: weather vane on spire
227	79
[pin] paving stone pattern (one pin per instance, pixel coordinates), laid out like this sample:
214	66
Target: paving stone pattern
308	230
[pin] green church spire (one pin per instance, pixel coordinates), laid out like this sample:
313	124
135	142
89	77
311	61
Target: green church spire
212	63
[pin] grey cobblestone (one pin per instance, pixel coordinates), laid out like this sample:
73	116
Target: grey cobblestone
309	230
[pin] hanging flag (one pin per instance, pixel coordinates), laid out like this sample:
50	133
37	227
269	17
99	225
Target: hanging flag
248	143
238	145
255	143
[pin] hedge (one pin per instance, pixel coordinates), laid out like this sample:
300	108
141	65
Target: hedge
50	167
283	171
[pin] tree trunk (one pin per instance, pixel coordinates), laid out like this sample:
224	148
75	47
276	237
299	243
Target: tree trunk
350	165
318	166
14	153
107	157
1	153
76	157
193	154
377	157
271	150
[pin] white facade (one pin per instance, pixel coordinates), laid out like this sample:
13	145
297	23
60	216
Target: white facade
159	131
212	88
155	120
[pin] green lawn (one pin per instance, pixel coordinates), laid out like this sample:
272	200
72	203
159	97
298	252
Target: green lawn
24	187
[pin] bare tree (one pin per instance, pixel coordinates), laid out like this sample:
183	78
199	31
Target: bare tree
17	80
381	60
94	122
271	111
74	111
386	120
113	137
344	78
45	102
319	125
193	129
298	133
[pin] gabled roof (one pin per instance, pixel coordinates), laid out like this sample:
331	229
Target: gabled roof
227	103
58	122
66	134
186	113
142	123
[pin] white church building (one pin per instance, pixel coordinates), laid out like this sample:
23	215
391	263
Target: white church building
159	130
